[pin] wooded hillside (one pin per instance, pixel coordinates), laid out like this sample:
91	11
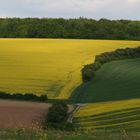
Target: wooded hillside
69	28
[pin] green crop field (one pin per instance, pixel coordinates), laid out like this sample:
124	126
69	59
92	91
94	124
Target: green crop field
48	66
114	81
115	116
114	94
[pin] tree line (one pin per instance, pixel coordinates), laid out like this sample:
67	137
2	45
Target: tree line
23	97
89	71
81	28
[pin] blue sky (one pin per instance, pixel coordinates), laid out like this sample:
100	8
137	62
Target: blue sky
111	9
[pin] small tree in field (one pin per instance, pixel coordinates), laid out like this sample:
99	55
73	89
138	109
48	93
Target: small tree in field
57	116
57	113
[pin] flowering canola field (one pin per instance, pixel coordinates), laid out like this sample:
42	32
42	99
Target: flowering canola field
114	115
49	66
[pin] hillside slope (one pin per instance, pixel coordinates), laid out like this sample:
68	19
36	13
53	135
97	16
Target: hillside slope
49	66
117	80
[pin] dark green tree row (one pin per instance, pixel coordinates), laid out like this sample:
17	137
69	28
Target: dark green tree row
88	72
81	28
24	97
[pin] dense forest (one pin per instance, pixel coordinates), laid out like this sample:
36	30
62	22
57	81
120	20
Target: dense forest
81	28
89	71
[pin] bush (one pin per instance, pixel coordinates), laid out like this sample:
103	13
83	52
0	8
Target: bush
57	117
57	113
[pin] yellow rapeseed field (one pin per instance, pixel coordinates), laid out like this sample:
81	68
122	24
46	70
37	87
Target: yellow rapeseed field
103	107
48	66
116	114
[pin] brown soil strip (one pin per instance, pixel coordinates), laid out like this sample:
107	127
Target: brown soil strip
16	114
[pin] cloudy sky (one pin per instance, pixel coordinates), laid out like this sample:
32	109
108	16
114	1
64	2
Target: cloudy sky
112	9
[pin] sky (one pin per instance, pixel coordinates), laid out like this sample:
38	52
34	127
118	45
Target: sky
111	9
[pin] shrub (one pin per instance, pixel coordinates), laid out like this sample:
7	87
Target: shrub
57	117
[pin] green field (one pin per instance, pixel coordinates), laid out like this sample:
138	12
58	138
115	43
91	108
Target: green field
114	81
49	66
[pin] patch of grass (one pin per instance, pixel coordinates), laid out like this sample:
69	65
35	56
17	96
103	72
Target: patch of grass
23	134
93	135
49	66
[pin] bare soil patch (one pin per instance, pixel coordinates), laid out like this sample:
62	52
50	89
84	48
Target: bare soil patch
17	114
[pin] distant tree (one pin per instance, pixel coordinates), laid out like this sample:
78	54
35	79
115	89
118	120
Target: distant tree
81	28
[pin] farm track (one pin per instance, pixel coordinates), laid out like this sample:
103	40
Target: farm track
67	90
73	112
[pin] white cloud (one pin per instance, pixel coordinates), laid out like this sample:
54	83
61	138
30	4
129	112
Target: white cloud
132	2
71	8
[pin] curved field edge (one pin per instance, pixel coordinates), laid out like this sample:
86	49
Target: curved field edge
88	72
115	115
49	66
116	80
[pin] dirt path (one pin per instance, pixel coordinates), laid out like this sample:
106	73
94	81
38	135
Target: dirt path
76	109
15	114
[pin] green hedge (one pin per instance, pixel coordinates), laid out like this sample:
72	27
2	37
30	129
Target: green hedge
24	97
89	71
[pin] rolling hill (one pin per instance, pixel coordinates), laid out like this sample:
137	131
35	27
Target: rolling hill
49	66
117	80
112	98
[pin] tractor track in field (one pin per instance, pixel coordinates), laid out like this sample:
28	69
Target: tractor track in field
72	113
70	77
